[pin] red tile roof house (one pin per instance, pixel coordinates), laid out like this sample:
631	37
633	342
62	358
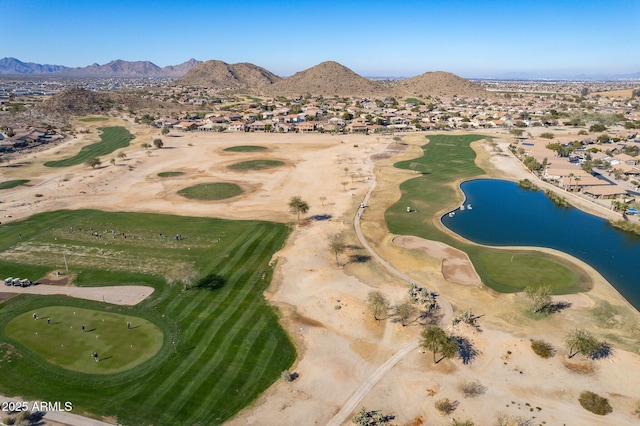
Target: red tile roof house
307	126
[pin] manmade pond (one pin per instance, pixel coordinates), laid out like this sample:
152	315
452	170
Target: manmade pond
500	213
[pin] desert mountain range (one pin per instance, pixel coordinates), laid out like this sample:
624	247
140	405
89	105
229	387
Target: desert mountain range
113	69
325	79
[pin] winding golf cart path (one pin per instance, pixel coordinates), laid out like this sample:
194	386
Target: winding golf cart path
375	377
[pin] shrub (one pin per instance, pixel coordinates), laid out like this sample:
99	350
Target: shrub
472	388
286	376
547	135
445	406
595	403
542	348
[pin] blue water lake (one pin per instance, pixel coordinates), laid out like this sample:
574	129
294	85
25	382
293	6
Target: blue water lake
503	214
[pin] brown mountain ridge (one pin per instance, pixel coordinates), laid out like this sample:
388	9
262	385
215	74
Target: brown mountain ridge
231	77
441	83
327	79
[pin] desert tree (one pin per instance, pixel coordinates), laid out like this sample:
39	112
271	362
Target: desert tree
540	298
580	341
323	199
337	246
377	304
344	184
516	132
93	162
122	156
112	161
164	131
405	310
434	339
158	143
297	206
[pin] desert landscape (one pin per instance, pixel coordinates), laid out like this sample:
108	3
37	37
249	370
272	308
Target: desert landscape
346	359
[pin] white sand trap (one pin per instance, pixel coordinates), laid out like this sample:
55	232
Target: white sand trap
127	295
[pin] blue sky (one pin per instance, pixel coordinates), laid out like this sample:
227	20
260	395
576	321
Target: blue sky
373	38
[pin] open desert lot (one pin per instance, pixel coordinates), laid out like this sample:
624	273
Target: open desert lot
345	358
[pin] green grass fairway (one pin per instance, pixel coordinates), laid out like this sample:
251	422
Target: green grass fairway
62	341
229	344
211	191
446	160
170	174
93	119
256	165
8	184
245	148
111	139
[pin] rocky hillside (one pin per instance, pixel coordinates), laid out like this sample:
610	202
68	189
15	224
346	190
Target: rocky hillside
229	77
78	102
327	79
440	83
177	71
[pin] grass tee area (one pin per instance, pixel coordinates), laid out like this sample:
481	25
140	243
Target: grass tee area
111	139
449	159
229	346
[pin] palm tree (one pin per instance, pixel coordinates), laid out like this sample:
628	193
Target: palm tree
571	175
297	206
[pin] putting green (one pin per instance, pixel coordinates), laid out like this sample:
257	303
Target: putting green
521	270
256	165
211	191
57	336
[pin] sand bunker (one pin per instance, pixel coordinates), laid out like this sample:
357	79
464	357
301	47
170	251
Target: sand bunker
127	295
456	266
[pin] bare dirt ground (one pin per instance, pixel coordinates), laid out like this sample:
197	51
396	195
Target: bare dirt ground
323	305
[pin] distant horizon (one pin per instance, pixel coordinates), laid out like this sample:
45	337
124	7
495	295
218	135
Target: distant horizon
472	39
497	76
